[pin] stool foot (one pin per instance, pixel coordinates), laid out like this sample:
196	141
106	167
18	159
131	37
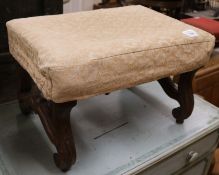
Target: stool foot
176	112
183	94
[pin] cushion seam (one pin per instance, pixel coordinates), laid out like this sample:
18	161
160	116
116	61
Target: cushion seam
96	59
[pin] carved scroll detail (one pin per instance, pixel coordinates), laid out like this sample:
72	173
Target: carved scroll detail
183	94
55	118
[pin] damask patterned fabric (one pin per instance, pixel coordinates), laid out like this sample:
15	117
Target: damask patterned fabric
78	55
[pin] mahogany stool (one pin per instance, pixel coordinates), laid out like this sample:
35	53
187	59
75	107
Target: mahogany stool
65	58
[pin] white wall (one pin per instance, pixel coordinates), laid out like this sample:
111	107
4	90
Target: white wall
79	5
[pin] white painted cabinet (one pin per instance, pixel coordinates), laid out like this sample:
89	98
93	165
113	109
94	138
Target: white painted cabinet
192	160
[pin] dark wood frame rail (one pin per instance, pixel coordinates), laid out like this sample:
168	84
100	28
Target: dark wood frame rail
55	117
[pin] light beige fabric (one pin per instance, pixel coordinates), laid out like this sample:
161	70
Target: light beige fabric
74	56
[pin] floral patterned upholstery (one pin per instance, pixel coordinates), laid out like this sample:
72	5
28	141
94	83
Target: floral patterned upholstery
78	55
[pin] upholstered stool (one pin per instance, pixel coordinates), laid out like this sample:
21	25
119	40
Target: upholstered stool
75	56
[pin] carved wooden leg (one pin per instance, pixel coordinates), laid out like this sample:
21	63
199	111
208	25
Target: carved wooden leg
56	121
183	94
55	118
186	98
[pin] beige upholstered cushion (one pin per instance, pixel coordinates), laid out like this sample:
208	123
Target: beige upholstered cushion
74	56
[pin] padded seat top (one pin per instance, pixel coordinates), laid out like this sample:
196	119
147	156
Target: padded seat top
78	55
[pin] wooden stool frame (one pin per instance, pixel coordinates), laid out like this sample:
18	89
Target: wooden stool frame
55	117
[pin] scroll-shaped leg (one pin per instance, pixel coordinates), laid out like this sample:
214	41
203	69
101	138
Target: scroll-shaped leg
185	97
55	118
56	121
183	94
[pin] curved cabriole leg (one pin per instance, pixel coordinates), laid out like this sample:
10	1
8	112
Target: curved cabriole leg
56	121
183	94
185	98
66	152
55	118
